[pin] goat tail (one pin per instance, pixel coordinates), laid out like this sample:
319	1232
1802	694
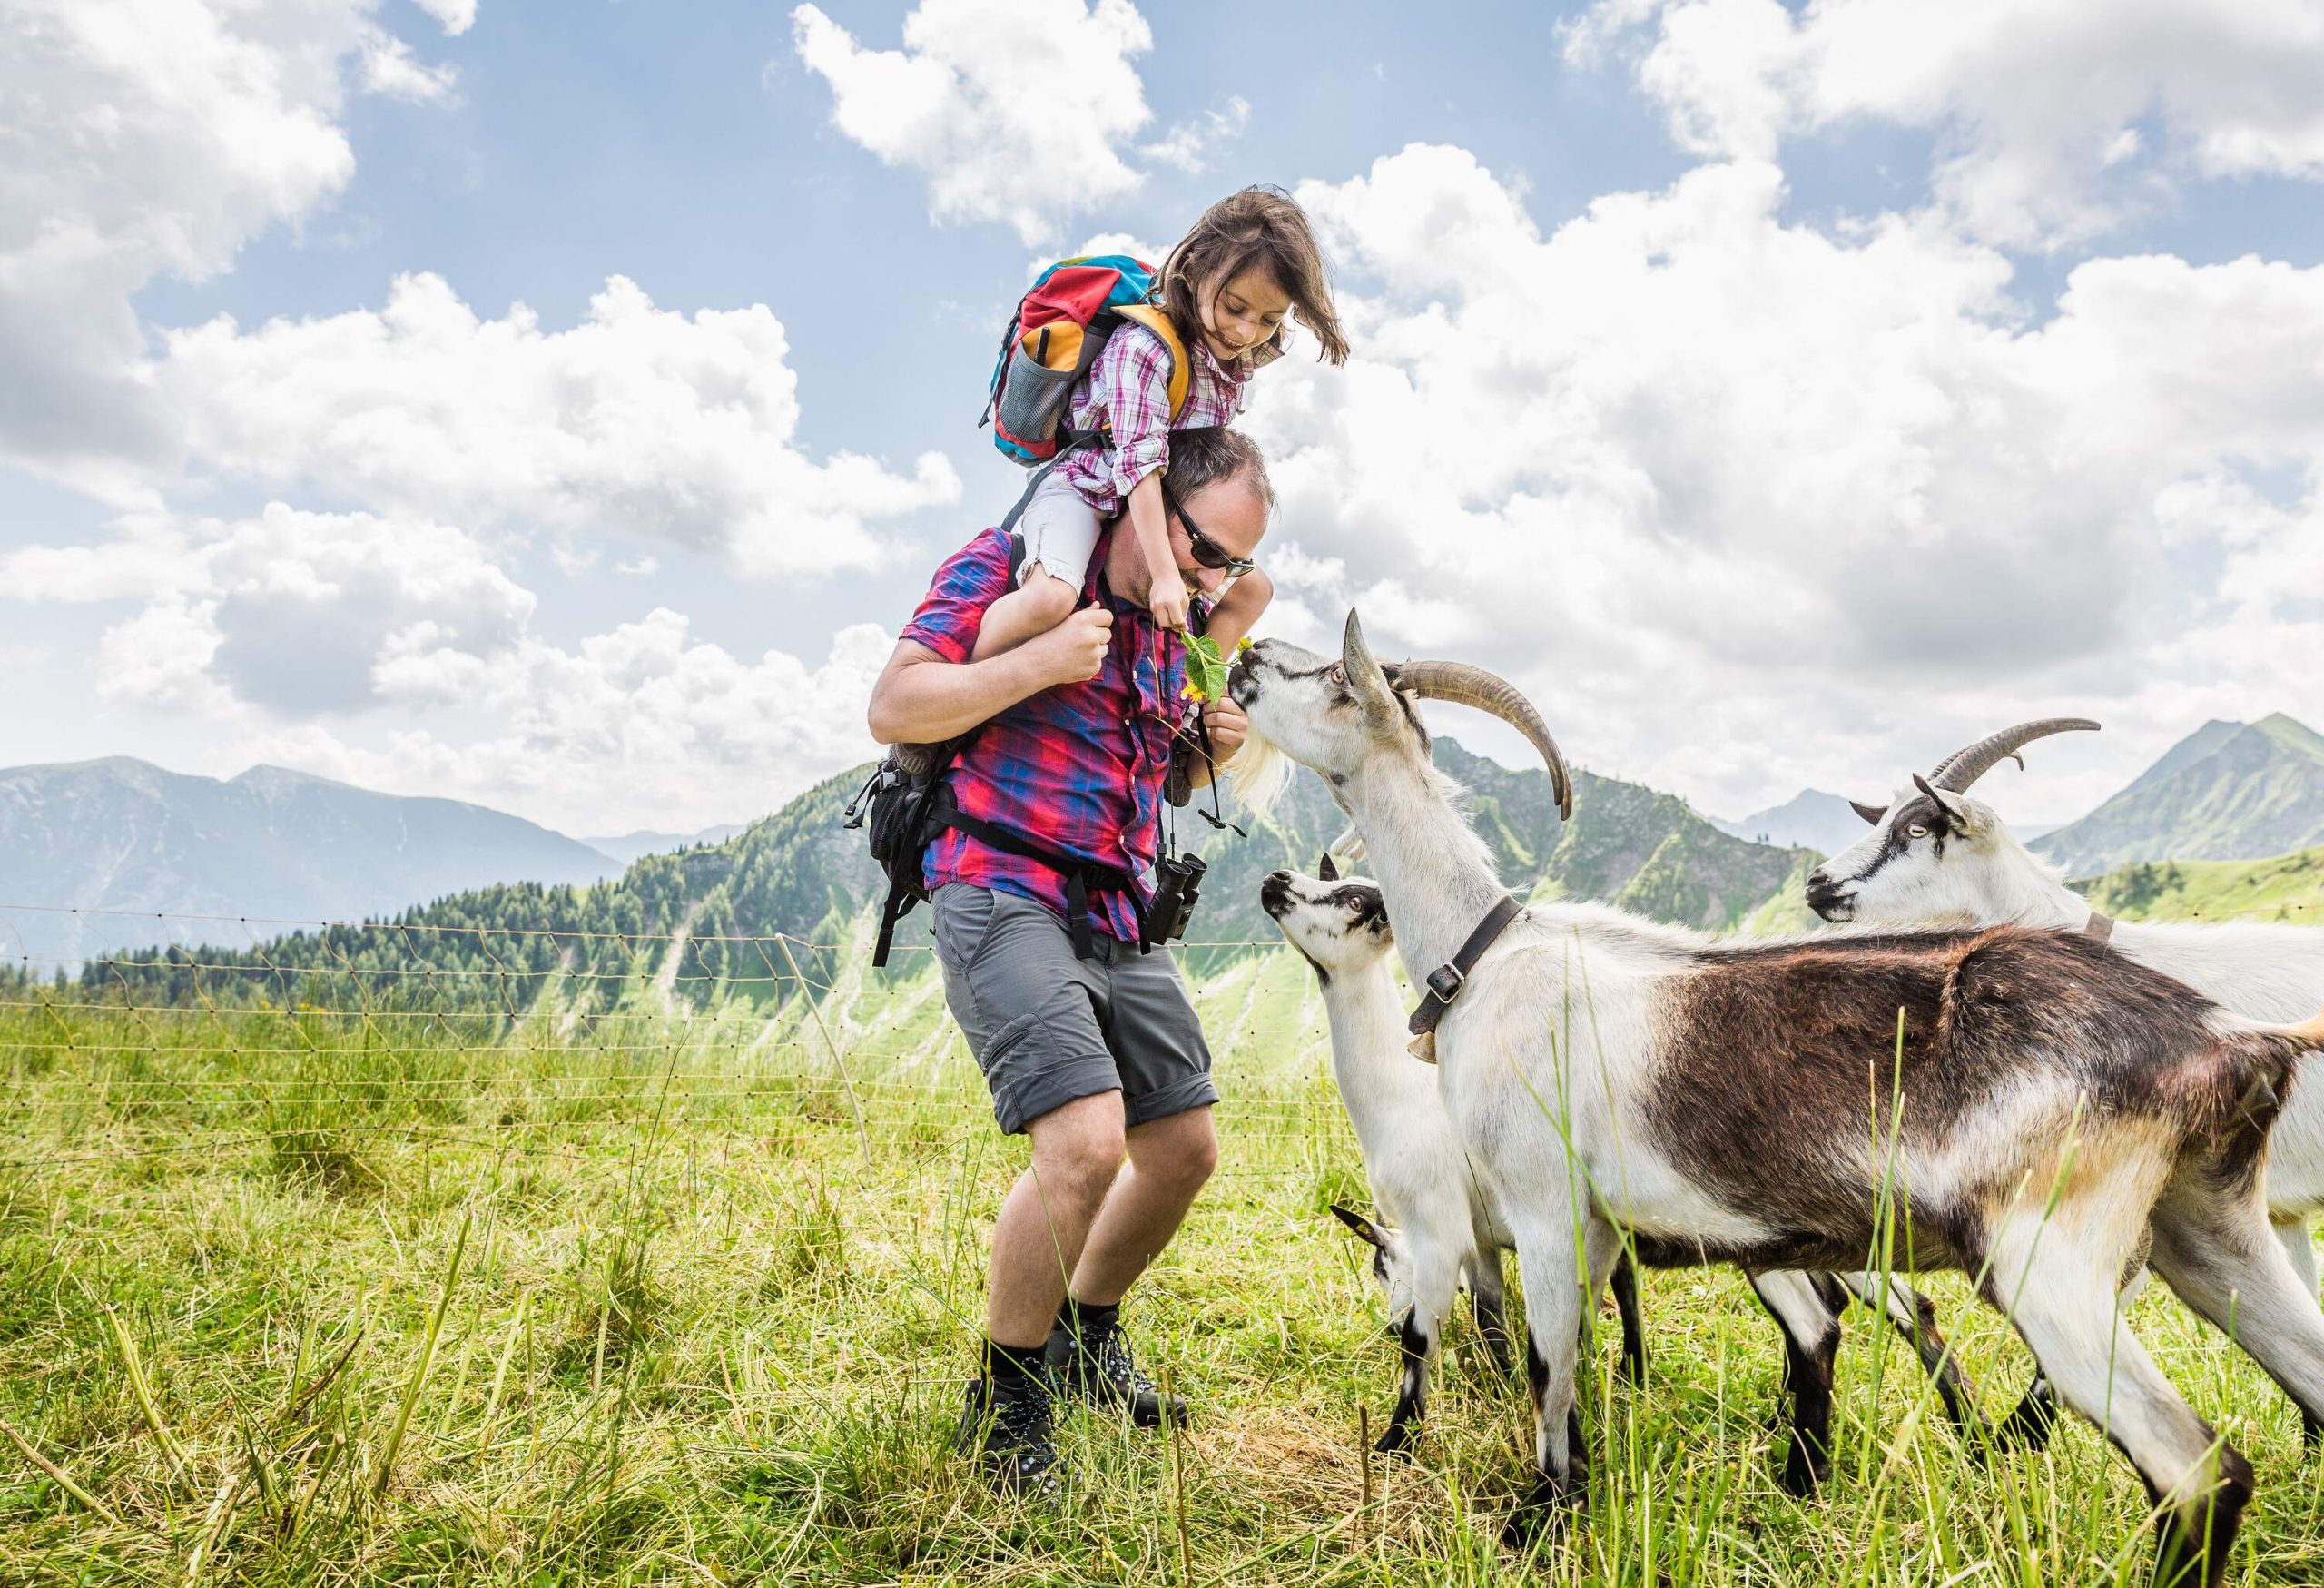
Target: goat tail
2307	1035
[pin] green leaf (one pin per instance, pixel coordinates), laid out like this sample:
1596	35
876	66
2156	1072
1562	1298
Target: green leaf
1206	671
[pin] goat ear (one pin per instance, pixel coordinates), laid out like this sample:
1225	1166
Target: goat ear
1949	803
1325	870
1871	813
1365	1230
1364	676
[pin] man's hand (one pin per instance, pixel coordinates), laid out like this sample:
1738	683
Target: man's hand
1074	651
1228	728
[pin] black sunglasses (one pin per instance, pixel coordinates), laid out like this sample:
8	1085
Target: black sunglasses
1207	552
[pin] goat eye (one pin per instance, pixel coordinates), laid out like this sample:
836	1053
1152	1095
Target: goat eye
1338	675
1918	829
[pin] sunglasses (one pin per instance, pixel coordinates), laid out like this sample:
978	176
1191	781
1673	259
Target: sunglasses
1207	552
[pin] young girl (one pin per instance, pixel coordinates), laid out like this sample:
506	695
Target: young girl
1226	287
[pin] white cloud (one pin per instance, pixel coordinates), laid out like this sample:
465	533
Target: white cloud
638	419
640	727
1014	110
2038	105
1188	145
147	137
1748	505
390	68
396	653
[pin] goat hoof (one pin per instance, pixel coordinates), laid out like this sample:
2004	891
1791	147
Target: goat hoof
2029	1426
1396	1440
1801	1479
1544	1512
2311	1436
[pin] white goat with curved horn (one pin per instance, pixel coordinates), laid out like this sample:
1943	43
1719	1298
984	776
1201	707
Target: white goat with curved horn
2055	1108
1936	856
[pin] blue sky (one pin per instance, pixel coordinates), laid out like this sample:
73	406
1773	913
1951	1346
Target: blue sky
1779	395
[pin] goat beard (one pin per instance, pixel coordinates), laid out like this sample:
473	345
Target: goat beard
1259	772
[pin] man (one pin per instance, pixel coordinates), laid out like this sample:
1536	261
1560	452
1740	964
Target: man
1087	1043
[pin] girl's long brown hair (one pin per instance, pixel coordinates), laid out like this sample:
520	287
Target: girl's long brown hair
1259	227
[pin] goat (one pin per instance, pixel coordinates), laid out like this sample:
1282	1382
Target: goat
1937	857
1440	1233
2048	1110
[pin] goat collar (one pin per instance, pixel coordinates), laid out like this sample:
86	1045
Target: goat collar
2099	928
1445	981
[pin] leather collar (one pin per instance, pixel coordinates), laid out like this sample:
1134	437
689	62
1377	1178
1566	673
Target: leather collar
1447	982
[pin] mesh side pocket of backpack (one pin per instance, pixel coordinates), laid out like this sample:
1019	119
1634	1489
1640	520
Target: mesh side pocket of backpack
1029	409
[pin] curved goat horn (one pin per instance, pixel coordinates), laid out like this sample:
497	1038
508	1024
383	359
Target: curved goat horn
1463	685
1957	771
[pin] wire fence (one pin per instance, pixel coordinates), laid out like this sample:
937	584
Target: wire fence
240	1033
417	1031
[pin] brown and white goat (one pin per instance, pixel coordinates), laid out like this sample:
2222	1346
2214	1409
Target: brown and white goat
1439	1234
2015	1104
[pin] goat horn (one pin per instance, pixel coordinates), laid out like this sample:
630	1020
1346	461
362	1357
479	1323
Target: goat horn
1957	771
1463	685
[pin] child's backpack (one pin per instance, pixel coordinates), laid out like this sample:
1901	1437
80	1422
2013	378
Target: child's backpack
1059	327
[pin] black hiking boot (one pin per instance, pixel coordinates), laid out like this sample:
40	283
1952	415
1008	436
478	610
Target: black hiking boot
1090	1357
1005	1423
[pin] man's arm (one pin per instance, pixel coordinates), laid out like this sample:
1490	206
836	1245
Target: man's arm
924	699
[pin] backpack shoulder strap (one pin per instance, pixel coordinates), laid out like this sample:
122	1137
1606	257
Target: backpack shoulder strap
1155	319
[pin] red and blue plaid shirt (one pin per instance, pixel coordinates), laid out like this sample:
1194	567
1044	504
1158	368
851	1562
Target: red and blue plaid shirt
1077	769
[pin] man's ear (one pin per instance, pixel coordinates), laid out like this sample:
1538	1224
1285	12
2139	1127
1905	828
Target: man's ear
1325	870
1365	1230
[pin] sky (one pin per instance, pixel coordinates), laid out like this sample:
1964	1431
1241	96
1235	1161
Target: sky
561	406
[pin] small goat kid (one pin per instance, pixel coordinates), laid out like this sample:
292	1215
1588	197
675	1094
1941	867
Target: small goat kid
2049	1106
1937	857
1439	1234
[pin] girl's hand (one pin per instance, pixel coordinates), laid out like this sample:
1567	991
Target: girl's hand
1167	606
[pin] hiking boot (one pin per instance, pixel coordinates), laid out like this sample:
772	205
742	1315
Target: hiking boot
1094	1362
1005	1422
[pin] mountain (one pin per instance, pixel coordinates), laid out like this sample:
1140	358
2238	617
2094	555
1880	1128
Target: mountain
122	834
2284	887
2228	791
631	847
1811	819
680	919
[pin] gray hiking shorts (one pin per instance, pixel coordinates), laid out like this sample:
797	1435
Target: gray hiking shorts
1047	1027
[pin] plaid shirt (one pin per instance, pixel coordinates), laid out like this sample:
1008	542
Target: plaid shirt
1079	768
1127	395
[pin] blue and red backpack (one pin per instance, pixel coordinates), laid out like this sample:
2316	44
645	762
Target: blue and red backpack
1060	326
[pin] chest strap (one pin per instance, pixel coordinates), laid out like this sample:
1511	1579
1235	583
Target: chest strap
1081	875
1445	981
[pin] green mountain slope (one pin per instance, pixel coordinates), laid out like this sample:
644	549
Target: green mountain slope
2285	887
1626	844
2227	791
668	927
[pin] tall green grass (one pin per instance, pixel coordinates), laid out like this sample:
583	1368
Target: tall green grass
297	1298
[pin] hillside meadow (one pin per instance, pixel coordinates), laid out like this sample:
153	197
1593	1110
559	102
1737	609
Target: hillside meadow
381	1291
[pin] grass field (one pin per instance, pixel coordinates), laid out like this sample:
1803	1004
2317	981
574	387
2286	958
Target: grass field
371	1298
